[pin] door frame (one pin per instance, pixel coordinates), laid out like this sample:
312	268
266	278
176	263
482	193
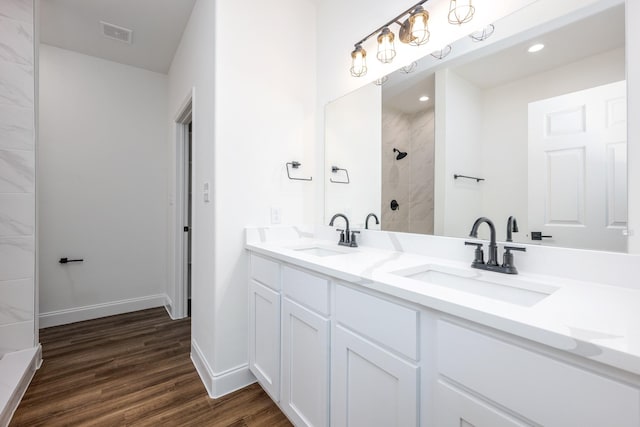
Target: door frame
182	119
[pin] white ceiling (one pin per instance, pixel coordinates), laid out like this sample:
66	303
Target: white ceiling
157	29
407	99
596	34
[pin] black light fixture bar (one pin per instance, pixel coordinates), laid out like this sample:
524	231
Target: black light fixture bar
393	21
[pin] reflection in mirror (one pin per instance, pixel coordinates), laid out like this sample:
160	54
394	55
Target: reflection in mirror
545	131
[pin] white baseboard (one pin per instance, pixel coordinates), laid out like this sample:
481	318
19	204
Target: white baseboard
220	384
78	314
168	305
17	370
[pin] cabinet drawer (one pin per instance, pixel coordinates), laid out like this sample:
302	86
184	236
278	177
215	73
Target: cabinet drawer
307	289
265	271
457	408
390	324
540	388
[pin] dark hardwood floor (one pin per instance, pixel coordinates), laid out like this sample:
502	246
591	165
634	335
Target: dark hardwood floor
131	370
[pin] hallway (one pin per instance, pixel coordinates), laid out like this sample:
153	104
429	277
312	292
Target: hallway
131	369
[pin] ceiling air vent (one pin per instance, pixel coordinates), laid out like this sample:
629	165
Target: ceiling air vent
114	32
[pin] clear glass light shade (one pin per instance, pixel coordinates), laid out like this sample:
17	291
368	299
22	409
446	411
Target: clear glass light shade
358	62
442	53
483	34
386	47
382	80
408	69
419	27
461	11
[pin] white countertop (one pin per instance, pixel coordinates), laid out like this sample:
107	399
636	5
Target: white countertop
591	320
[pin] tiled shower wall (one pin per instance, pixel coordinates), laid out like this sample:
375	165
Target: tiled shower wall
17	175
409	181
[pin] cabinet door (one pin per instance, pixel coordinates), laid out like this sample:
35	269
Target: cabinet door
264	337
370	386
305	361
459	409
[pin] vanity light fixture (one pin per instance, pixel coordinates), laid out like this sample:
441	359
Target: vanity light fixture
461	11
423	98
414	30
535	48
358	61
483	34
442	53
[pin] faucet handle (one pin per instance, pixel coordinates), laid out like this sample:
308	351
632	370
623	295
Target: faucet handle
507	259
353	242
341	234
479	254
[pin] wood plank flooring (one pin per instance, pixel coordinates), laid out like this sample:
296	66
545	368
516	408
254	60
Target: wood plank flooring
131	370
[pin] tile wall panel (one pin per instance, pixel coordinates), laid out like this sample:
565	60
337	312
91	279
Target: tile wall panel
17	214
17	176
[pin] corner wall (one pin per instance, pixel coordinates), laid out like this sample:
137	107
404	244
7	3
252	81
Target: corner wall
102	187
253	111
17	176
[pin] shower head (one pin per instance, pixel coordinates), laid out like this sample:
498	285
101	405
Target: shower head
401	154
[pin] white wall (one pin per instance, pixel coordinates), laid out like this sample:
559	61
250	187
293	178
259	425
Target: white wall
17	177
102	195
260	116
505	131
633	111
458	150
353	143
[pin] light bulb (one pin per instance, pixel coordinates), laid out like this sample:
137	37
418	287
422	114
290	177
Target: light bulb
386	48
358	62
418	26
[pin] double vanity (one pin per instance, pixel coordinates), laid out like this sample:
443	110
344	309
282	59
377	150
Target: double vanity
385	335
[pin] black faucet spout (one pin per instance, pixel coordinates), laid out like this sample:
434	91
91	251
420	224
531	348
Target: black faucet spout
493	247
366	222
512	227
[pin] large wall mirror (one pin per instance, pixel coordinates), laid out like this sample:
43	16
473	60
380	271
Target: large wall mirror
494	130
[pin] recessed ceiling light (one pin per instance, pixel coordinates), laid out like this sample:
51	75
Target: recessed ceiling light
424	98
536	48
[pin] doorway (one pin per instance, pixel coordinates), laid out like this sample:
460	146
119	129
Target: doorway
188	148
183	210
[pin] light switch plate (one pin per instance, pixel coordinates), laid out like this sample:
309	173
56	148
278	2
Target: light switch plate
276	215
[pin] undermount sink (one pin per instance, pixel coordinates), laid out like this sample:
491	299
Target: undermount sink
508	289
320	251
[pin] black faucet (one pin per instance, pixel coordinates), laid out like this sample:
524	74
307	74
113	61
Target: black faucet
512	226
507	266
347	237
366	222
493	248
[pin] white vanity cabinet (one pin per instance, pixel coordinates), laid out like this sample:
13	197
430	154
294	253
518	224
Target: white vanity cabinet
486	381
305	347
264	324
339	354
375	374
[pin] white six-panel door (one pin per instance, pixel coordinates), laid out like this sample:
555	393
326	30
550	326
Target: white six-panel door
578	168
